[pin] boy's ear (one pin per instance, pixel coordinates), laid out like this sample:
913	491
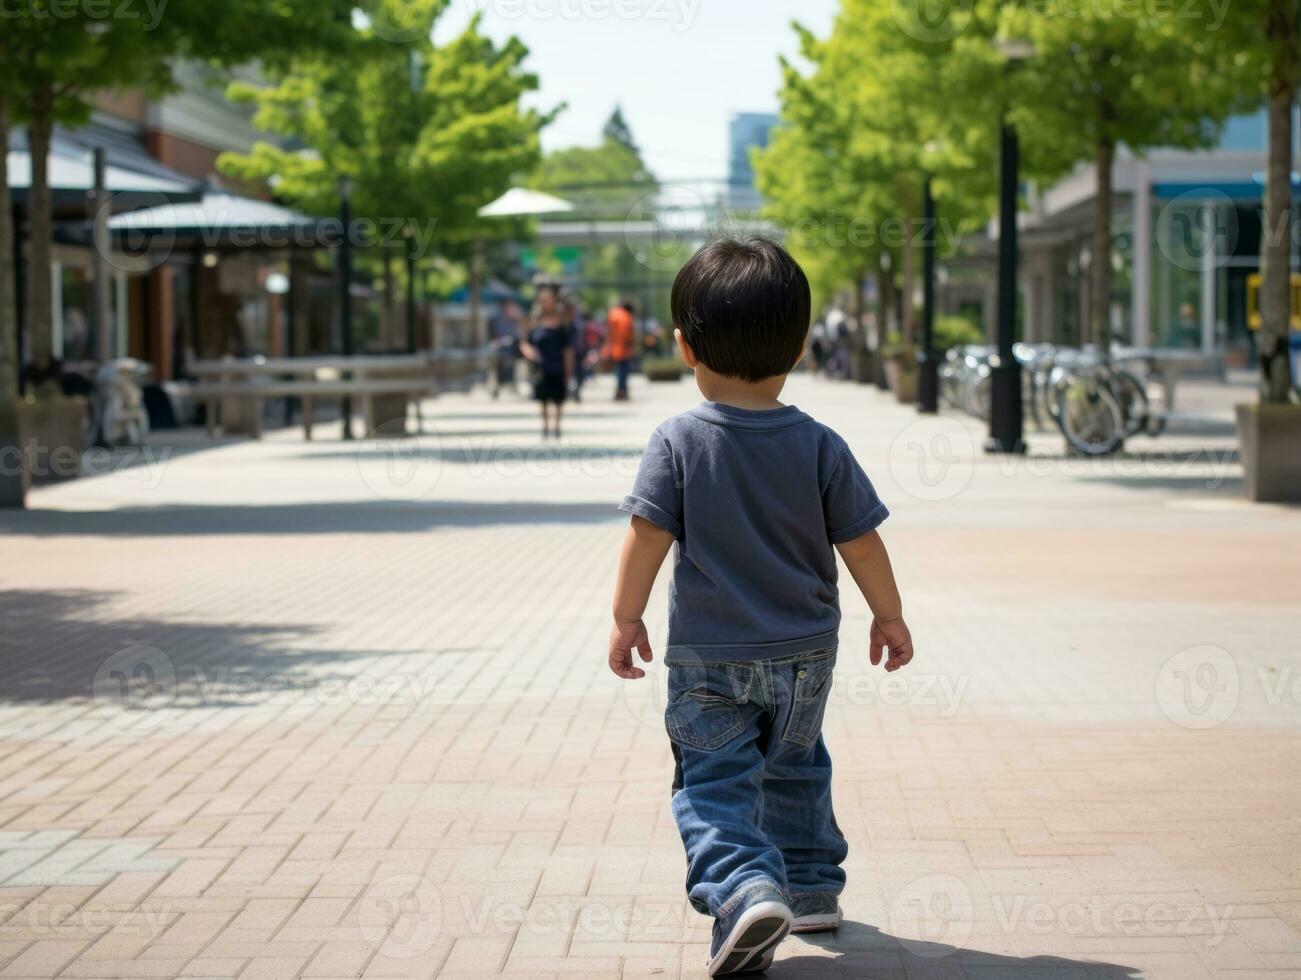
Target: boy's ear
688	355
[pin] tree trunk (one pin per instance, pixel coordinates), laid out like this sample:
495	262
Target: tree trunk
886	302
1276	243
1100	267
40	296
908	254
8	288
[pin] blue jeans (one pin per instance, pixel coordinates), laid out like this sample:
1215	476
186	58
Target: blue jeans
752	790
621	370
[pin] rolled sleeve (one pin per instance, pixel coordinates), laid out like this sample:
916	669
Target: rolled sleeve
657	491
850	503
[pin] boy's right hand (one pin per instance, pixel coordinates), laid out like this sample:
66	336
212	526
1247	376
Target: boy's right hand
892	634
623	639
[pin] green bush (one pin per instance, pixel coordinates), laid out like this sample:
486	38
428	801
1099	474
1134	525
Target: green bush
662	368
954	331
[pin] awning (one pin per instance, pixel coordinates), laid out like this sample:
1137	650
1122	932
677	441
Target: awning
71	174
221	220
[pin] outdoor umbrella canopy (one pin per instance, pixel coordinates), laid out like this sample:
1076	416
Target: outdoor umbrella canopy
520	201
222	219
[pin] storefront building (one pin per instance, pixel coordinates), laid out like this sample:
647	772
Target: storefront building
1187	233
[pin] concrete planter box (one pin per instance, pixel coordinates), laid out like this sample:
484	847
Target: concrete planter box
862	366
903	377
14	480
389	415
1271	452
40	442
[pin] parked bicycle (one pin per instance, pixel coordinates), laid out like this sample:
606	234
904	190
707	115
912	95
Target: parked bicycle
1090	396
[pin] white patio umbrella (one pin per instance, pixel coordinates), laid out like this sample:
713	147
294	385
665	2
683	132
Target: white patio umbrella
520	201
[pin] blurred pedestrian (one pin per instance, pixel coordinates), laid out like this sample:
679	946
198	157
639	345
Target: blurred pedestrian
550	346
818	346
504	335
619	346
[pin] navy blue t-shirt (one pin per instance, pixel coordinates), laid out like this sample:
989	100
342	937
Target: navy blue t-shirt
756	500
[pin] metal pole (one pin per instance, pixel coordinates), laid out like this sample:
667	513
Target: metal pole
411	296
1005	422
345	291
928	382
101	307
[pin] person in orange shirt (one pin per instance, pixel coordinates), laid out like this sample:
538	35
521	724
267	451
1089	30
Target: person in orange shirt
619	346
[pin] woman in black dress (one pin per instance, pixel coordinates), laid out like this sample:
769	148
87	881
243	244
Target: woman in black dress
550	346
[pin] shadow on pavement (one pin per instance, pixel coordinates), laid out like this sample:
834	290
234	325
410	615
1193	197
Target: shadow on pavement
1227	486
63	646
488	454
349	517
861	950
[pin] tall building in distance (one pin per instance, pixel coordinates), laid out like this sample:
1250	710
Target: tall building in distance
745	131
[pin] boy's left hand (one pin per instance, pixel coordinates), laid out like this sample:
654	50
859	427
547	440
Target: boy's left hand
623	639
891	635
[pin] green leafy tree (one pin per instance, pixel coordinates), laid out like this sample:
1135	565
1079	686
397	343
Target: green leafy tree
1143	76
617	130
844	169
1266	34
425	134
8	292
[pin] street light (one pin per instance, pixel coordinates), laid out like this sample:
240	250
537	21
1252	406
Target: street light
1006	412
345	288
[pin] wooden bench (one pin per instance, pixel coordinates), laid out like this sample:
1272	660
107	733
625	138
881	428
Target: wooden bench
386	386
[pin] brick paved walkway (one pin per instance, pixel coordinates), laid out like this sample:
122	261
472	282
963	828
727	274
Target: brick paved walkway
282	710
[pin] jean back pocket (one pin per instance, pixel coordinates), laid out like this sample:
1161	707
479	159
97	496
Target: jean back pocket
704	703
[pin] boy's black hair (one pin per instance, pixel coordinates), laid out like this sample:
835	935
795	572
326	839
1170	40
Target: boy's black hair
743	305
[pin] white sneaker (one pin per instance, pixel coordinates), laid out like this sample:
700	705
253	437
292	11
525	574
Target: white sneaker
749	940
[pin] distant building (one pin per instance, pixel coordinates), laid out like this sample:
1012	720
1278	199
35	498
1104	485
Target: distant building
746	131
1187	227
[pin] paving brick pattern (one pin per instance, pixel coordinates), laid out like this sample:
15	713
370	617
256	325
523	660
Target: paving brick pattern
340	710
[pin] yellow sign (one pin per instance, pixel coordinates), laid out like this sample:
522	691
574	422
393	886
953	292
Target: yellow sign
1253	301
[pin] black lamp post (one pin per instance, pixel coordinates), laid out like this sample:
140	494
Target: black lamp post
928	381
411	292
1005	417
345	288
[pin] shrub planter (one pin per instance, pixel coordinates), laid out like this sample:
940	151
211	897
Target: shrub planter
861	368
902	375
663	369
1271	452
51	436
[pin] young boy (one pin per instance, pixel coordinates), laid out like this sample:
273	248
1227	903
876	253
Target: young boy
755	494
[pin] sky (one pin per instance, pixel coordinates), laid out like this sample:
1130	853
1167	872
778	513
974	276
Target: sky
679	68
